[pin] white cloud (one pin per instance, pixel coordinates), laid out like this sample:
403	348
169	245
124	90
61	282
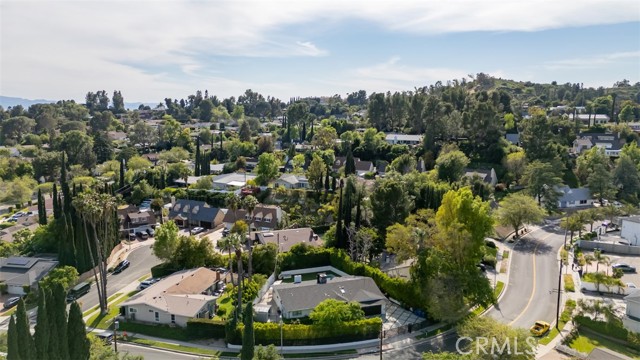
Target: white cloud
152	49
595	61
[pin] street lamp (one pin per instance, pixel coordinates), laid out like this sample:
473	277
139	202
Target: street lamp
116	324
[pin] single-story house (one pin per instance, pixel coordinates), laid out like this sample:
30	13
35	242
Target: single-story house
488	176
153	157
630	229
362	167
232	181
297	300
265	217
591	119
196	213
216	168
116	135
285	239
631	319
190	180
18	272
611	143
175	299
571	198
292	181
403	139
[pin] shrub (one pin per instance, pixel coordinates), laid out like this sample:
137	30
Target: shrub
489	243
609	329
3	288
162	270
568	283
205	329
489	260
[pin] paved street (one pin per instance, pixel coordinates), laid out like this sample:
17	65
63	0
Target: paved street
142	259
155	354
533	282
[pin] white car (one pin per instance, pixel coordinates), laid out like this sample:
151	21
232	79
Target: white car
196	230
631	285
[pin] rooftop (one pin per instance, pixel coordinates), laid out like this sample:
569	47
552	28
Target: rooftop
288	238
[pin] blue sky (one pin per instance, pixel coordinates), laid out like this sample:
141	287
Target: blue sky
155	49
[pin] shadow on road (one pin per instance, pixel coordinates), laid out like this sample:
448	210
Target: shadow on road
528	246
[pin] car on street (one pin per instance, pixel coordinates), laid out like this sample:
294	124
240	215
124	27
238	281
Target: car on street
145	284
142	235
196	230
121	266
624	267
482	267
631	285
540	328
11	302
151	232
106	337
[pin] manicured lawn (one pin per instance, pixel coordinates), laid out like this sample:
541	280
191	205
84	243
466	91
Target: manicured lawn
225	304
104	321
505	254
311	276
569	285
586	342
179	347
144	277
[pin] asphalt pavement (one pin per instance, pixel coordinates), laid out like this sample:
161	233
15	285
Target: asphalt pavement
532	292
155	354
142	260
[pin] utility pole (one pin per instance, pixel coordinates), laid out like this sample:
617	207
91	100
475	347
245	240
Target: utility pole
381	336
115	335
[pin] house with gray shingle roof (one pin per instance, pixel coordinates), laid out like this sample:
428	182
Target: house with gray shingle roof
196	213
297	300
571	198
19	271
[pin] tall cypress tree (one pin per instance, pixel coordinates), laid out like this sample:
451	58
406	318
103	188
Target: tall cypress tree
64	185
42	209
25	341
58	345
56	203
350	163
339	222
42	328
248	340
13	350
77	334
197	162
121	185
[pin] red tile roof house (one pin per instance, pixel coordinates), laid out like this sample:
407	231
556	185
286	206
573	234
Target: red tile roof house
265	217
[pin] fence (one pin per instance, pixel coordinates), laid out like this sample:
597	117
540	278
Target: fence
405	329
609	247
264	288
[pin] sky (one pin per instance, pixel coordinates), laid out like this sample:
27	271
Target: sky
153	49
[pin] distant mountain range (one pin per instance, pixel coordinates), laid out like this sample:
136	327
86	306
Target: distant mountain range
7	101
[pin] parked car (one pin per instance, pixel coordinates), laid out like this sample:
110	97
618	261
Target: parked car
132	237
11	302
482	267
142	235
225	232
151	232
145	284
121	266
196	230
106	336
540	328
631	285
623	267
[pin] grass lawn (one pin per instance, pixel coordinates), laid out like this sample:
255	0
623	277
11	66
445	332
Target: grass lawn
178	347
565	317
144	277
586	342
104	321
109	299
568	283
224	304
310	276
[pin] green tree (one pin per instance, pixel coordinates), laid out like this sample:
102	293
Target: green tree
245	131
249	203
315	173
79	346
478	328
590	161
267	169
57	308
26	345
13	349
325	138
248	339
390	203
451	165
266	353
536	137
518	209
400	241
627	178
332	312
142	134
404	164
166	240
79	148
15	128
349	164
600	182
170	130
66	276
541	180
516	163
204	183
17	191
42	210
41	336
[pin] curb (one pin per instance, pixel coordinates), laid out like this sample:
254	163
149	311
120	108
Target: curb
172	350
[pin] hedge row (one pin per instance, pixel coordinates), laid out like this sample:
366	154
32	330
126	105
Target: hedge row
300	335
611	330
302	256
205	329
163	269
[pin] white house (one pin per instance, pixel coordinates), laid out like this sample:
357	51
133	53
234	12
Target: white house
630	230
265	217
175	299
292	181
631	319
571	198
405	139
591	119
488	176
232	181
611	143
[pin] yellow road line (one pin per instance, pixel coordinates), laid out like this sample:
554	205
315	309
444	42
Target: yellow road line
534	280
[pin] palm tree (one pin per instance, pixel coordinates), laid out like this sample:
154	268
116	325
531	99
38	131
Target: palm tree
588	260
225	244
233	203
571	224
593	215
599	258
236	241
581	218
249	203
156	206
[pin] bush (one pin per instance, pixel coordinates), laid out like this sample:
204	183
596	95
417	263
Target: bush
568	283
489	260
3	288
300	335
489	243
161	331
162	270
609	329
205	329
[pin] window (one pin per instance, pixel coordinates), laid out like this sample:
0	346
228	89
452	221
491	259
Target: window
150	310
582	202
296	313
157	316
173	319
132	310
